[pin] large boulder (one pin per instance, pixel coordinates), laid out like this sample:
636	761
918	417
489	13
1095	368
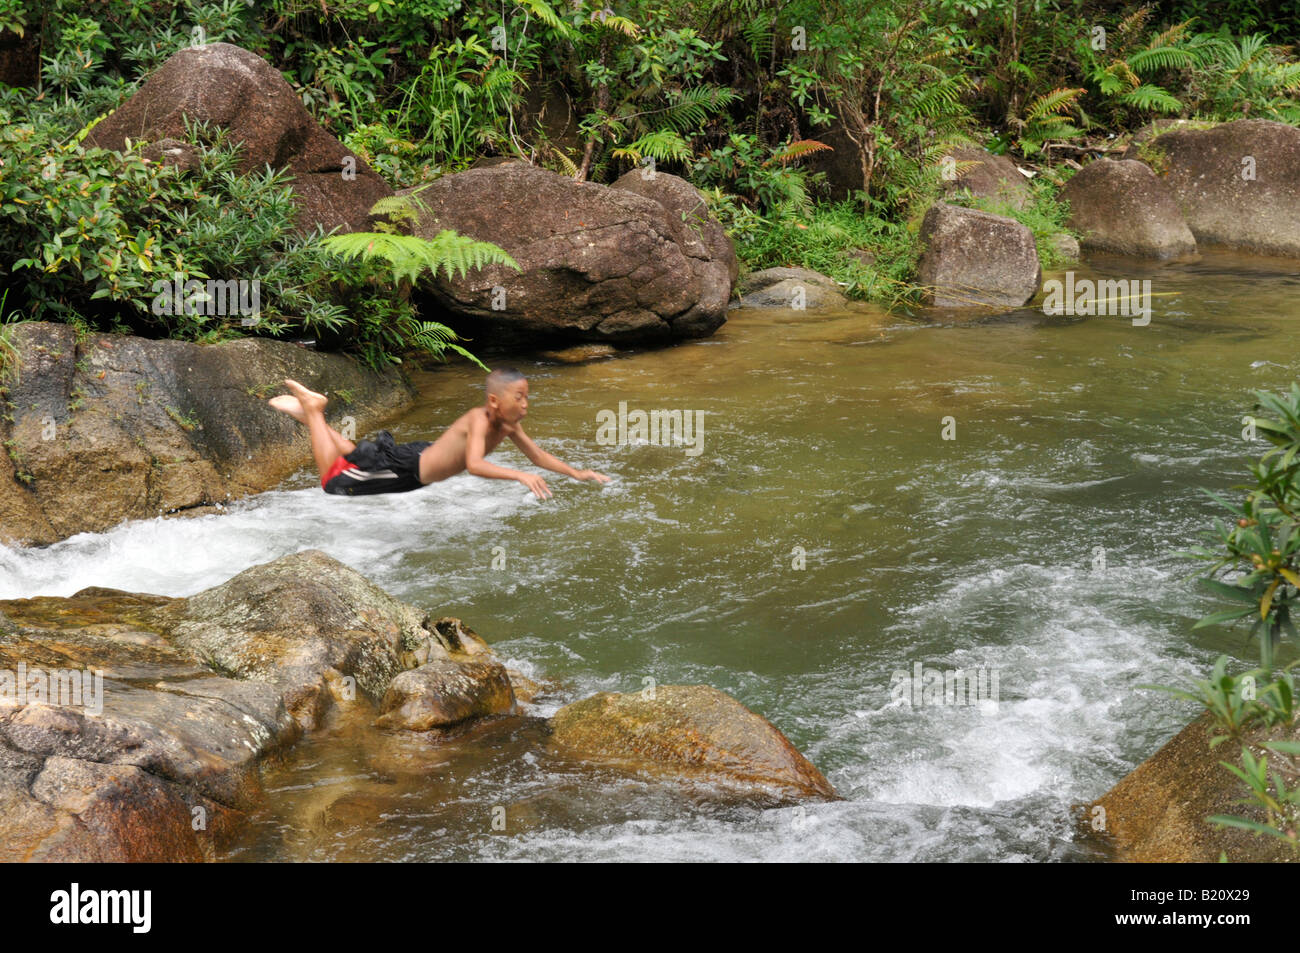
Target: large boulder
1238	184
238	91
1157	813
994	179
160	759
693	731
974	258
299	622
115	427
1124	208
700	235
598	263
788	288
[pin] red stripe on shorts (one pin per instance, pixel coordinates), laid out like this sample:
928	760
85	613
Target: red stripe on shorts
339	466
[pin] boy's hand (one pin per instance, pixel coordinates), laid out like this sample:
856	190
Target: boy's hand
591	475
536	484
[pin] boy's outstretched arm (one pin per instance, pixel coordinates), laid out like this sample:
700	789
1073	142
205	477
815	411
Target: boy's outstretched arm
478	466
550	462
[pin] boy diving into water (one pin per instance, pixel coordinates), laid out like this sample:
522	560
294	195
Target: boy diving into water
381	466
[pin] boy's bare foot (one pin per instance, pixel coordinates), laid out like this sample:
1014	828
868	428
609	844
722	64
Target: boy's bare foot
309	399
290	405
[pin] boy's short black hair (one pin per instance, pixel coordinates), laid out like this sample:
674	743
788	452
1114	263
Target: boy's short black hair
501	378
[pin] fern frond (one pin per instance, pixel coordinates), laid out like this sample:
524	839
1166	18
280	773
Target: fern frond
692	107
542	10
662	144
1171	36
942	97
1161	57
797	150
1134	22
620	24
1152	98
408	256
1052	104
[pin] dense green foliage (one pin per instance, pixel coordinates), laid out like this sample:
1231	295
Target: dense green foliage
1255	559
1260	547
743	97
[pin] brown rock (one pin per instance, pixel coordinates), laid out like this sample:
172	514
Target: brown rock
598	263
446	691
238	91
1157	813
701	236
291	621
1125	209
580	353
1238	184
974	258
162	761
689	730
992	178
783	287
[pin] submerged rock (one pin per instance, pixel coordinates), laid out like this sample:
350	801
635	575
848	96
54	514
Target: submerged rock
789	288
1065	245
446	691
116	427
580	353
973	258
1237	184
238	91
1125	209
598	263
693	731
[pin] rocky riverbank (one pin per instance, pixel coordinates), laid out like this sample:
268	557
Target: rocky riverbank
107	428
159	757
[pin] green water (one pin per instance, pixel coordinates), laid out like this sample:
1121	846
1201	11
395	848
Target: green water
821	431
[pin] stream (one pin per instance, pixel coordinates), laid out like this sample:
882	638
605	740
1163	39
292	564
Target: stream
820	537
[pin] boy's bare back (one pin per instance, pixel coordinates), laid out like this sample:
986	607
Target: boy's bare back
447	455
478	432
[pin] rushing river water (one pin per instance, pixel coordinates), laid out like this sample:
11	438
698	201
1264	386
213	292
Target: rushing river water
1039	543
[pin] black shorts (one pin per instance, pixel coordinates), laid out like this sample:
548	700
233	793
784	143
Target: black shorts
376	466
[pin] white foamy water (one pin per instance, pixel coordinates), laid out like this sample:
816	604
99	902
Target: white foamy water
179	556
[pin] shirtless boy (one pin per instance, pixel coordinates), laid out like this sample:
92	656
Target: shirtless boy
381	466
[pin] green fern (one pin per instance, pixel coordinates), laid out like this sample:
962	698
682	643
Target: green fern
1047	118
694	106
542	10
1151	98
663	145
1052	104
408	256
1161	57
